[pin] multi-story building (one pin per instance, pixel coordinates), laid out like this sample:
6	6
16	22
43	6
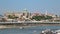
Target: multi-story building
26	15
21	15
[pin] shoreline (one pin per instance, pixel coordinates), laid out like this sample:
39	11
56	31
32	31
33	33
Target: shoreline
4	25
26	26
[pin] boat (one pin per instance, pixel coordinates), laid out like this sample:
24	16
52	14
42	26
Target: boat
48	31
57	31
21	27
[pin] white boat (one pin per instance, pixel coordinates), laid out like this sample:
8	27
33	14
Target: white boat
21	27
57	31
48	31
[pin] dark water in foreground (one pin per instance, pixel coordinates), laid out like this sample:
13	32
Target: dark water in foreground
30	30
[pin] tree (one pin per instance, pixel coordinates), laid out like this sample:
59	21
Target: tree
38	18
48	17
10	17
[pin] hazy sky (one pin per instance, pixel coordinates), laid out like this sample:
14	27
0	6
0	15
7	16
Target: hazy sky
52	6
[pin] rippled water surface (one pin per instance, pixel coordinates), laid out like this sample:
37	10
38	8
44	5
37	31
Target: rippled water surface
30	30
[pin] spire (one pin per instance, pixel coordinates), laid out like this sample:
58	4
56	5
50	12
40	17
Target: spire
46	13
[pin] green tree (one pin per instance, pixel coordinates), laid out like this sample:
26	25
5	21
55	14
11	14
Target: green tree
38	18
12	17
48	17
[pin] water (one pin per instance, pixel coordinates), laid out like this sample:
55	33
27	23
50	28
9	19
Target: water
30	30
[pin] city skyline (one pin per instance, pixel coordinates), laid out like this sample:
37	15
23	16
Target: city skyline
52	6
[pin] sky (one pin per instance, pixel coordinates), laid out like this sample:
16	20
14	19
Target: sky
51	6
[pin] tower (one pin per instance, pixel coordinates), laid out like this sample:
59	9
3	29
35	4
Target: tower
46	13
26	12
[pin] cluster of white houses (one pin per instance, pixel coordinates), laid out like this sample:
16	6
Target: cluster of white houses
25	15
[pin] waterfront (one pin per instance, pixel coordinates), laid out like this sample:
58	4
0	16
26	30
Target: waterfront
29	30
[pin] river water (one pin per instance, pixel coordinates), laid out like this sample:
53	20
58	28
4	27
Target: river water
29	30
